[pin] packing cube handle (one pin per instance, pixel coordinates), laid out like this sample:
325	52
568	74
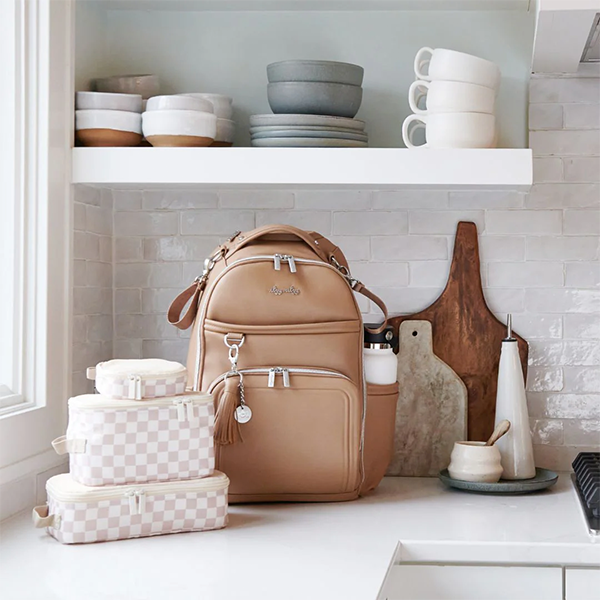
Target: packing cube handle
62	445
42	519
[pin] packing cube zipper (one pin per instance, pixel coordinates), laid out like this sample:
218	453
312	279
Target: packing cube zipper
139	379
115	442
78	514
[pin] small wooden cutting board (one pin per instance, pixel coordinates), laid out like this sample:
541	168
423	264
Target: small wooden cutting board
466	334
432	407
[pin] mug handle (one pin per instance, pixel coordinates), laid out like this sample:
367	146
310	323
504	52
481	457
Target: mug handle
406	135
413	100
420	62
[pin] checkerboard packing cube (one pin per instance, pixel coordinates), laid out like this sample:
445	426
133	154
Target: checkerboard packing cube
116	442
136	379
78	514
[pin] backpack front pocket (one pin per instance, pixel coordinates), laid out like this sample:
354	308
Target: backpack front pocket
330	346
304	437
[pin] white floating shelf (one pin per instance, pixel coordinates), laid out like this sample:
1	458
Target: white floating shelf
303	167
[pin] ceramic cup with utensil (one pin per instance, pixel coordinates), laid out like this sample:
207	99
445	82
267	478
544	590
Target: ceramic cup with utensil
451	130
478	461
450	65
450	97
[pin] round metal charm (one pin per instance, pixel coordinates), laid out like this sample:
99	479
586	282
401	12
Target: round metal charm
243	414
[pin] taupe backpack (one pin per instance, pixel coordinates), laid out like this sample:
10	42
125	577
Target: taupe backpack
277	338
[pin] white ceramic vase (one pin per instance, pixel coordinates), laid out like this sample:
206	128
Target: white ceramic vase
516	446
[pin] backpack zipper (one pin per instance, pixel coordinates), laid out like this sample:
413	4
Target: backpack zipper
284	371
277	258
274	371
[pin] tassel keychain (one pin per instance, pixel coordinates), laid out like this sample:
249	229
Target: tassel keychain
227	428
232	411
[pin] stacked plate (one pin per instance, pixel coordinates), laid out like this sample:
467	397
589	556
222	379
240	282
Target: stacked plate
308	131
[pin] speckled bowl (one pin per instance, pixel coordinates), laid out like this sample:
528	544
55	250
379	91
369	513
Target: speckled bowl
328	71
144	85
314	98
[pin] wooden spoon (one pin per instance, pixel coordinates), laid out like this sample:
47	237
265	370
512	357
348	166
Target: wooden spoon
500	430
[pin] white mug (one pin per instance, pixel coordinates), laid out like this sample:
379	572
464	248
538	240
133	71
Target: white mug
451	65
451	96
452	130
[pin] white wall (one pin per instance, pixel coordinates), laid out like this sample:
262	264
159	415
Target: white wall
539	253
227	52
90	43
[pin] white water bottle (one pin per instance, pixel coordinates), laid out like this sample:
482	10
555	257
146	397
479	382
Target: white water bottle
516	447
381	364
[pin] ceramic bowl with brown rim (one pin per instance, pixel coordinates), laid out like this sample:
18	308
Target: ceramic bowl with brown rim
179	128
108	127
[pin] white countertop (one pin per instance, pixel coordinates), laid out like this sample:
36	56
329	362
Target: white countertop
303	551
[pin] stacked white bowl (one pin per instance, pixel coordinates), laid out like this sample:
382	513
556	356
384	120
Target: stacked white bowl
179	121
103	119
223	109
458	92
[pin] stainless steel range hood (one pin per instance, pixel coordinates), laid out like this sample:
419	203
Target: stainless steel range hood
567	34
591	52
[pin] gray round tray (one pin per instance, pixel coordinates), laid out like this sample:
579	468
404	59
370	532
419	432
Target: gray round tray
543	479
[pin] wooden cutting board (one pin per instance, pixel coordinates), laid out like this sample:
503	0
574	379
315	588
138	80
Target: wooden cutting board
466	334
431	413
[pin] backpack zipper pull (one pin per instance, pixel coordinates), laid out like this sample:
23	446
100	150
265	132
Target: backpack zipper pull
286	378
291	263
277	261
271	382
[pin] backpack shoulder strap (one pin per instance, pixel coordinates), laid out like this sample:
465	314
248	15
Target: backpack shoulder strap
323	248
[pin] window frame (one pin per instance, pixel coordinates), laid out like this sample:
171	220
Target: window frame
37	177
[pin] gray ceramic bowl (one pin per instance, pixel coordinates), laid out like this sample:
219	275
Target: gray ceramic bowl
315	70
314	98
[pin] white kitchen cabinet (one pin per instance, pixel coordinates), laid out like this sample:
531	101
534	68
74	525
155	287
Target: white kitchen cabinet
582	584
472	582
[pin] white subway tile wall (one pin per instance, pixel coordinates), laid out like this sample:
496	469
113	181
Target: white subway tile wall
540	255
93	283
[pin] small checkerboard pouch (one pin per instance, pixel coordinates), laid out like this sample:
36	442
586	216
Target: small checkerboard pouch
115	442
77	514
139	379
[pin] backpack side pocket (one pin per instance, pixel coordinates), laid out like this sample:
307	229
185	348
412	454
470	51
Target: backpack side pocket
380	425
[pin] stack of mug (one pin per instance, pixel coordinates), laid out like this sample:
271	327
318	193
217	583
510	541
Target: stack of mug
458	92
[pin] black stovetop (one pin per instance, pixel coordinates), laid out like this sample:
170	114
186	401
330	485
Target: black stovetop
586	478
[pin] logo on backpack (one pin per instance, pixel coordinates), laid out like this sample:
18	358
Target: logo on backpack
278	291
